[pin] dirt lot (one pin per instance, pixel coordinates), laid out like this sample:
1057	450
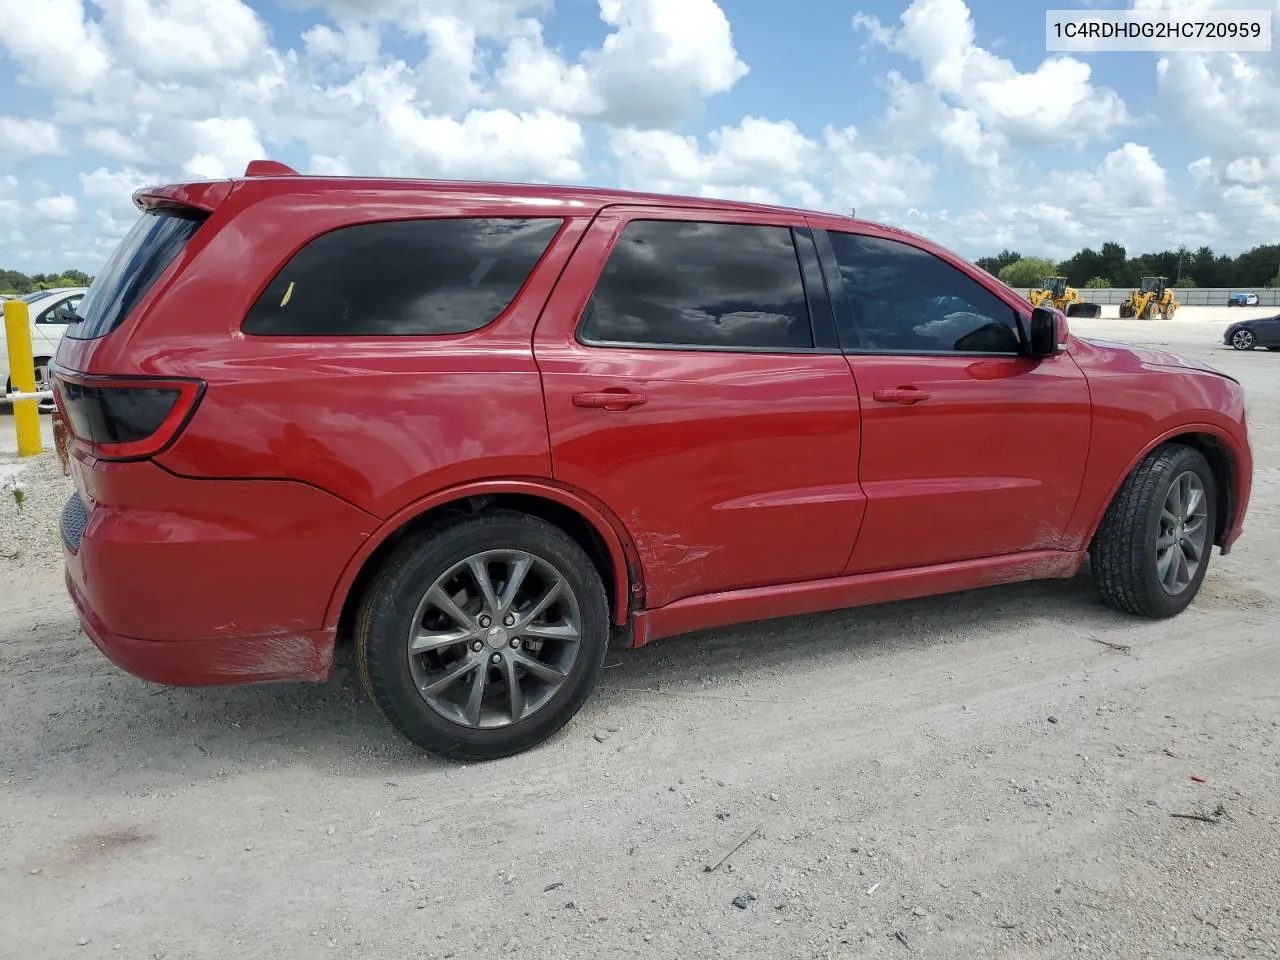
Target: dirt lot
988	774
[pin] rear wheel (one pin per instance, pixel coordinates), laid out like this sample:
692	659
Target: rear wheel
44	381
1152	549
485	637
1243	340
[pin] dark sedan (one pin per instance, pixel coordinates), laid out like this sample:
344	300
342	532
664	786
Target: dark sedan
1247	334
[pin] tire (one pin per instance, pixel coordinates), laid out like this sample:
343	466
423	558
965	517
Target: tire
1126	310
1124	555
1244	340
396	601
43	383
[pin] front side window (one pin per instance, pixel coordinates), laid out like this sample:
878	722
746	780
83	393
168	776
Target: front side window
403	278
906	300
677	283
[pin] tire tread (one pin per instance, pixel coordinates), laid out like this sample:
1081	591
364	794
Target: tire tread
1118	554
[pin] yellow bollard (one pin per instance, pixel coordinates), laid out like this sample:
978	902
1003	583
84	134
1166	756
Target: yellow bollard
22	374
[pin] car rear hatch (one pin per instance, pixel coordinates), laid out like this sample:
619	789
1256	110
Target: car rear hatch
114	407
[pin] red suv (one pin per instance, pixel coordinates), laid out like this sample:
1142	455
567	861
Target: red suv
479	426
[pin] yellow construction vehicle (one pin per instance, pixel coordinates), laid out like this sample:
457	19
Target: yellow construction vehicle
1155	296
1055	292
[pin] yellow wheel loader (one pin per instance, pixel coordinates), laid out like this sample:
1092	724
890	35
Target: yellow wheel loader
1055	292
1155	297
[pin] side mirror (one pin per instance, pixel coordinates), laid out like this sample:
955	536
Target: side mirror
1046	333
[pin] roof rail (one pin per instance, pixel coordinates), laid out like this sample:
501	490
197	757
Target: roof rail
269	168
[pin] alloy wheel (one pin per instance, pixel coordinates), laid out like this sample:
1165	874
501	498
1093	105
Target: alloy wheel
1182	533
494	638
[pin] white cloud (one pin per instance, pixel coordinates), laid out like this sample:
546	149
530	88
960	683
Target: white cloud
22	137
57	46
60	209
497	144
186	38
873	180
352	42
659	59
1056	102
759	160
223	147
114	144
114	186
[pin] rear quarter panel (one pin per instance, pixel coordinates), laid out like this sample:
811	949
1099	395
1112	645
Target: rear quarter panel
377	421
1137	404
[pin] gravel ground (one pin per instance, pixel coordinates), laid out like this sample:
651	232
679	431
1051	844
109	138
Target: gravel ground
986	774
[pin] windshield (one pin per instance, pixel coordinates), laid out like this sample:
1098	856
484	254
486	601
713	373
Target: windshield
1150	285
139	260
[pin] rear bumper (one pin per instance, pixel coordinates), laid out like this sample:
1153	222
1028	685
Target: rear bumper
206	582
207	663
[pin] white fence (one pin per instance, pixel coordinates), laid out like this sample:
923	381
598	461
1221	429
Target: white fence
1187	296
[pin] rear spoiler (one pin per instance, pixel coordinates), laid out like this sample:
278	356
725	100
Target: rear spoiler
205	195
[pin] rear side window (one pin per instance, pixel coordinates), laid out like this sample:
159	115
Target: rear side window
138	261
676	283
402	278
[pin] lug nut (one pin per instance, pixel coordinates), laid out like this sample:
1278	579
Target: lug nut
496	658
484	621
509	620
477	646
515	643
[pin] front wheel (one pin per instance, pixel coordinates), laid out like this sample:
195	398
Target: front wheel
1243	340
1152	549
483	638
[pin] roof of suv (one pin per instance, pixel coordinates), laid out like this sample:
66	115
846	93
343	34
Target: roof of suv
289	181
282	179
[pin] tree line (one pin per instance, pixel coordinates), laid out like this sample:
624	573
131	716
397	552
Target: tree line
16	282
1112	267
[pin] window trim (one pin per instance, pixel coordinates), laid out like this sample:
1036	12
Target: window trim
708	217
840	303
565	221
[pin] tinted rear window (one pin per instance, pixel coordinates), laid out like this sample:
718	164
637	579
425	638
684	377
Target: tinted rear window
140	258
674	283
403	278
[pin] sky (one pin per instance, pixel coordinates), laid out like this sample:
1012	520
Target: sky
944	117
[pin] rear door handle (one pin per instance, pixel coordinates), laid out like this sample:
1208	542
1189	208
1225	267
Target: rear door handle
902	395
609	399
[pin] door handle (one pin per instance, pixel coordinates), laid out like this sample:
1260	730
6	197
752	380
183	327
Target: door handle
902	395
609	399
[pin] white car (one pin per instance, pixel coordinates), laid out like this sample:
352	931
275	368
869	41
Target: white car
52	311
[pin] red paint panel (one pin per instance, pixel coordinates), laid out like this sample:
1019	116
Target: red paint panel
991	463
201	663
786	600
739	469
169	559
1142	397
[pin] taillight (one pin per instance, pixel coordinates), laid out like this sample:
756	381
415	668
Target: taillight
125	418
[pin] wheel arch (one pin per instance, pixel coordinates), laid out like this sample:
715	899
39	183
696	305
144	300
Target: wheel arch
588	522
1217	447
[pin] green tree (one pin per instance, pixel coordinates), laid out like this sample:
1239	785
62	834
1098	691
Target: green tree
1098	283
994	265
1027	272
1184	281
